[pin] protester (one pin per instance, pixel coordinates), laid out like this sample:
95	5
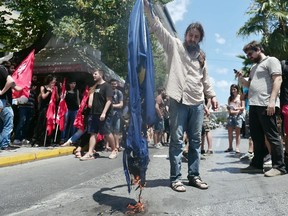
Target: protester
235	107
43	99
117	104
166	135
159	122
26	112
264	83
6	82
73	101
187	83
6	112
100	103
206	130
284	106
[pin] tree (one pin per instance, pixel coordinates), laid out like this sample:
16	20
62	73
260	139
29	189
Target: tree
102	24
269	18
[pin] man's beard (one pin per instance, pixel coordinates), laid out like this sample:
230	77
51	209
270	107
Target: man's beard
257	59
193	49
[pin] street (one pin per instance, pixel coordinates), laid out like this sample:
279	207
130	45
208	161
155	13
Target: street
67	186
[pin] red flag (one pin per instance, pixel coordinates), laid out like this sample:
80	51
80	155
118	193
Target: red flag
62	108
51	112
79	119
23	75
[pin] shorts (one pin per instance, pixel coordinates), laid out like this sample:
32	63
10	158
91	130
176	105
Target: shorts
235	121
159	125
115	124
2	103
97	126
206	125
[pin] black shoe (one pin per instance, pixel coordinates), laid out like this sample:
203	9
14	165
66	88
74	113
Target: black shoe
251	169
229	150
9	148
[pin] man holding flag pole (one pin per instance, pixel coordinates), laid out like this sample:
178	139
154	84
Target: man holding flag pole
188	82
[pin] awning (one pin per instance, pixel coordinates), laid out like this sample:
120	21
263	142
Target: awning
70	59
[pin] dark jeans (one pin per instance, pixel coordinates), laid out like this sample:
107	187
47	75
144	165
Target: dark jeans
25	117
261	124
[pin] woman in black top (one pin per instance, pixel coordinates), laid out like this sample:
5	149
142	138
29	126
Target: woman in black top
72	100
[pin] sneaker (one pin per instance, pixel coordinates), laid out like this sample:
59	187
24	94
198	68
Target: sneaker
273	172
113	155
158	146
229	150
251	169
248	156
17	142
26	142
268	163
202	151
9	148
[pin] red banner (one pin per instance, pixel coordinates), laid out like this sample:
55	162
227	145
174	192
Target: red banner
79	119
23	75
62	108
51	112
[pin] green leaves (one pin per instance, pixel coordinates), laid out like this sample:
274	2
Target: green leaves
269	18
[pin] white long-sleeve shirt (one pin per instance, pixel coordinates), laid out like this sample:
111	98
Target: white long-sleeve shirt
187	80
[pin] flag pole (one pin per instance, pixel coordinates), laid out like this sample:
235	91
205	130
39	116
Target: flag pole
57	126
45	138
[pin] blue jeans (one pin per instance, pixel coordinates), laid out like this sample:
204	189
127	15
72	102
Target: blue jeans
25	117
77	135
6	126
69	128
189	119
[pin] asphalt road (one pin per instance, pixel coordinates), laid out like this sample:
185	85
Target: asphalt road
66	186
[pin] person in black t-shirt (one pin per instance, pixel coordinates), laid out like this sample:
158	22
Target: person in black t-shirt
6	82
100	104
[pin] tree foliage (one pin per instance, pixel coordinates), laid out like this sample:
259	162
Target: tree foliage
101	23
269	18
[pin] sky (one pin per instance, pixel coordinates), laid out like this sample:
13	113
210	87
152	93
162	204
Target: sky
221	20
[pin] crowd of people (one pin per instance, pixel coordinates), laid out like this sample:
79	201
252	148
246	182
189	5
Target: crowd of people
23	120
182	109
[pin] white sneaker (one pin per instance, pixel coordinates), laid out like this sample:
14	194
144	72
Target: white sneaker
17	142
248	156
26	143
268	162
158	146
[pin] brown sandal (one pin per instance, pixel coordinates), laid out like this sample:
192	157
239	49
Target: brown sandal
198	183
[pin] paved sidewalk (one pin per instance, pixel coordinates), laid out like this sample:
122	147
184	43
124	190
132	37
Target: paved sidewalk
28	154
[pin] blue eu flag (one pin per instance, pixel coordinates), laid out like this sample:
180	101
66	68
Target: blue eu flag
140	82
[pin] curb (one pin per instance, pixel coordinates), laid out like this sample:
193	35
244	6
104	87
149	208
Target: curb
20	158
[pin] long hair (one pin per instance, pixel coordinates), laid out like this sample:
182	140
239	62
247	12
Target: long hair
49	78
231	97
197	26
